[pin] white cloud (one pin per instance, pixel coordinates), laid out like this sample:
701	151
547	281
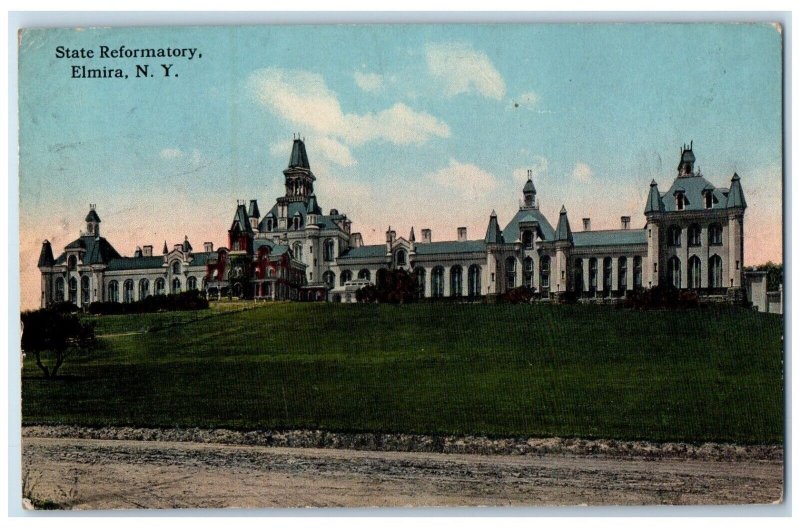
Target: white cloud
369	82
469	180
582	172
171	153
538	167
302	98
462	69
334	151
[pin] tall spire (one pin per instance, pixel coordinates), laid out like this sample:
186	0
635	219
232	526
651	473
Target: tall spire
493	233
165	250
654	202
46	256
735	194
563	231
411	237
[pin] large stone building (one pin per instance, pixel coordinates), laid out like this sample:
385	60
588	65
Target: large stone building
692	239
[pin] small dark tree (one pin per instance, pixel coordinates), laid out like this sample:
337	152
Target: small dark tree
774	274
56	334
392	286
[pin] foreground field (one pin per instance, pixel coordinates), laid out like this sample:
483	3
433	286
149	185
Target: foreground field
84	473
527	370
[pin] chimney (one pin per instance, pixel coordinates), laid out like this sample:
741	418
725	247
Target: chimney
625	222
587	224
208	247
147	251
462	234
426	236
390	235
356	241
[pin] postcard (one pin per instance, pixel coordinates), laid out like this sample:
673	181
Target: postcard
401	265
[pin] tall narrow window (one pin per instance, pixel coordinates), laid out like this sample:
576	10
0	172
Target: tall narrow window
527	239
73	290
127	291
419	274
544	269
176	285
714	235
437	282
455	281
693	272
694	235
577	283
85	289
160	286
144	289
59	289
592	274
680	201
528	271
113	291
622	274
674	236
715	272
191	284
637	272
345	277
674	272
400	258
297	251
328	250
511	273
474	280
329	278
607	282
364	274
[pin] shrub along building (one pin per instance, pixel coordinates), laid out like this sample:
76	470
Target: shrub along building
692	239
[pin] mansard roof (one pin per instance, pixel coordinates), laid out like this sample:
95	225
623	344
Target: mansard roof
611	237
299	158
512	231
275	249
98	250
373	251
241	218
693	189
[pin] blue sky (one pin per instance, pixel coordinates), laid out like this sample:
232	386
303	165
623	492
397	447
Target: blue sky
423	125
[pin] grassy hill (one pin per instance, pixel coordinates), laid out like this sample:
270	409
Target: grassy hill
500	370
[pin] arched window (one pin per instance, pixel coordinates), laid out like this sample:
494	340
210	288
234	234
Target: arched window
72	262
527	239
176	285
400	257
511	273
346	276
578	284
527	268
607	272
474	281
694	235
127	291
637	272
622	273
364	275
144	289
544	268
270	224
714	235
693	272
329	278
437	282
674	236
176	267
297	251
59	289
680	201
328	248
160	286
113	291
674	272
456	281
715	272
191	284
85	289
592	274
419	273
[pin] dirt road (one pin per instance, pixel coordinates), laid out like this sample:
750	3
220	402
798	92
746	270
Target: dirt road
109	474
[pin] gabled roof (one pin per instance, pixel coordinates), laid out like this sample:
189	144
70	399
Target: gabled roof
98	250
46	255
512	230
611	237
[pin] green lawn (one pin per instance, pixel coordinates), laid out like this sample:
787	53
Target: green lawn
501	370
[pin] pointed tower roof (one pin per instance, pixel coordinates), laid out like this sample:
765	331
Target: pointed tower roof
187	247
735	194
313	207
493	233
563	231
241	218
253	212
299	158
46	255
654	202
529	186
411	237
165	250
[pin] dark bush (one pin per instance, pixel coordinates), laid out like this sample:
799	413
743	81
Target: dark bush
393	286
52	335
191	300
662	297
522	294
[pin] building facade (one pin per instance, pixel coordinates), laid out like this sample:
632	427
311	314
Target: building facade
692	239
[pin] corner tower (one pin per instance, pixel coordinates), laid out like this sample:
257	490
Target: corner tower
299	180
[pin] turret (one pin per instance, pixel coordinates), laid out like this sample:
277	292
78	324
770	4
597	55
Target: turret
654	202
686	165
92	222
46	255
563	231
735	194
493	233
299	179
529	192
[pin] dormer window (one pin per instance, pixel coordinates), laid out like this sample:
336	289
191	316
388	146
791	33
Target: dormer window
401	258
527	239
709	199
680	201
269	224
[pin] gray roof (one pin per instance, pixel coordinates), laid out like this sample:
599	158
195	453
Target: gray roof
92	216
46	255
451	246
511	233
135	263
98	250
240	217
493	233
692	187
365	252
275	249
563	231
654	202
611	237
253	211
735	194
299	158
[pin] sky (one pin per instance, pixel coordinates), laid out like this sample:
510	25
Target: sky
430	126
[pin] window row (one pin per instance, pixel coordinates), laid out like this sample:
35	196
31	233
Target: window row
159	288
583	282
694	272
436	280
694	235
527	272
